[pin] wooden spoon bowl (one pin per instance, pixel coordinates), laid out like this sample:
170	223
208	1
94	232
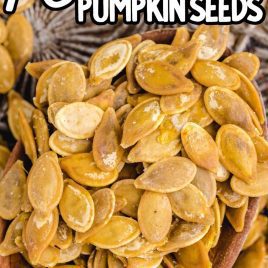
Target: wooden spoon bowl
230	242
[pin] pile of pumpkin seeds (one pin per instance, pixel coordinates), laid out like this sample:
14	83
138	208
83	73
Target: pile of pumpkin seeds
137	156
16	46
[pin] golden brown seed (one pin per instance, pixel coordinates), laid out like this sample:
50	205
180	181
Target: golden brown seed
121	95
141	121
45	183
223	105
134	39
190	204
236	216
49	257
104	100
14	232
144	262
3	31
100	260
261	146
107	151
65	146
167	176
256	188
21	48
40	129
211	238
154	216
117	232
184	234
132	85
63	237
36	69
180	102
193	256
52	111
12	187
150	150
213	41
228	196
249	94
38	233
4	155
78	120
104	203
127	190
222	173
77	207
110	59
161	78
70	253
254	256
237	152
205	181
114	262
181	37
200	147
247	63
7	71
83	169
68	84
214	73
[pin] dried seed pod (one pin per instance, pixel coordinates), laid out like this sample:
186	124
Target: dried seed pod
107	151
68	84
180	102
213	73
181	37
117	232
110	59
167	176
45	183
213	40
161	78
79	217
12	187
191	205
150	150
256	188
14	232
38	233
83	169
205	181
200	147
132	85
104	204
237	152
7	71
184	234
40	129
154	216
78	120
21	48
223	105
141	121
247	63
228	196
127	190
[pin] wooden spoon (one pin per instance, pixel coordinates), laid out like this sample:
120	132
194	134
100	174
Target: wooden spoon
230	242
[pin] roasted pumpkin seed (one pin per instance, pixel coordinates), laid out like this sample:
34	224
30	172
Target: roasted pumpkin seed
141	262
141	121
104	100
45	183
4	155
3	31
12	187
181	37
161	78
154	216
167	176
261	146
117	232
237	152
